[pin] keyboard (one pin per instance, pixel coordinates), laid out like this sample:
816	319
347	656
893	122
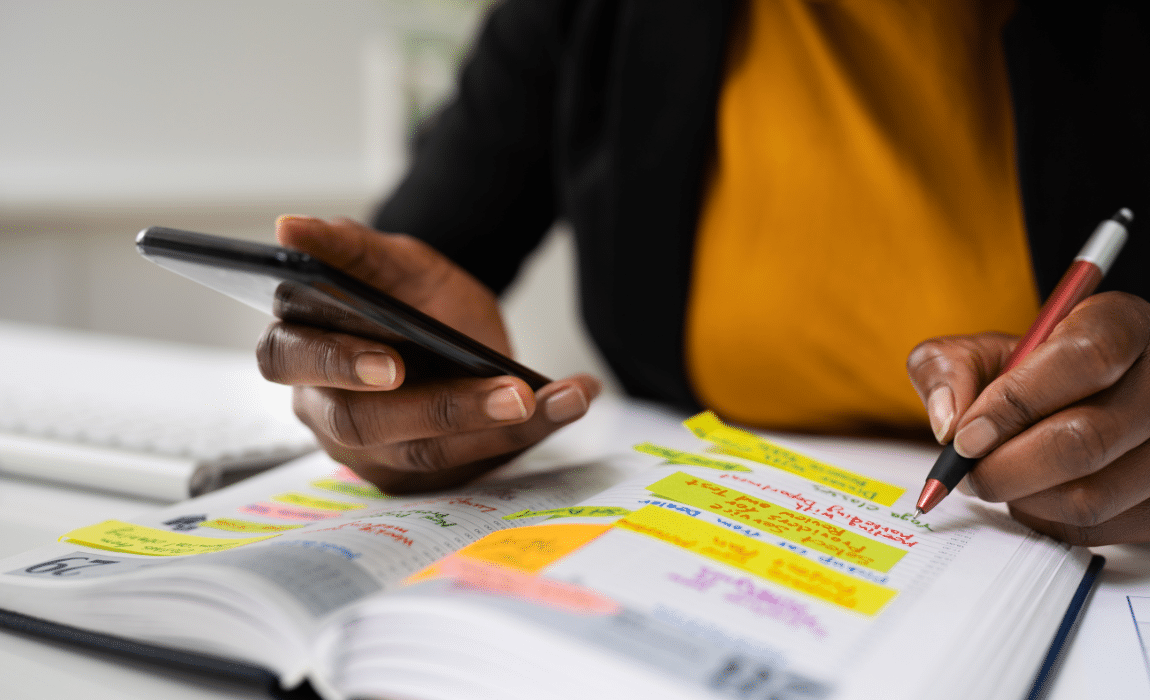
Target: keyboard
159	420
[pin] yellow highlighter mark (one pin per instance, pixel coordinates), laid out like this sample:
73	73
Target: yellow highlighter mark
118	536
820	535
531	548
237	525
572	512
363	490
300	499
767	561
741	443
678	457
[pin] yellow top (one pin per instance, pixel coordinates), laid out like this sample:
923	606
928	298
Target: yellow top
865	199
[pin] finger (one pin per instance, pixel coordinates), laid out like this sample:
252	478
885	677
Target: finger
429	410
1089	351
948	374
432	463
1132	525
435	409
302	355
1094	499
1082	440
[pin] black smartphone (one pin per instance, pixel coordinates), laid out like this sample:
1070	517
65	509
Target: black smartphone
297	288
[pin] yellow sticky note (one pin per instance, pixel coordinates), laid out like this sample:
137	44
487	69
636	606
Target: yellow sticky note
767	561
740	443
300	499
118	536
572	512
237	525
799	528
678	457
363	490
531	548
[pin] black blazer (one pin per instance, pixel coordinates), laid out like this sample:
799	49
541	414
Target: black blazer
602	112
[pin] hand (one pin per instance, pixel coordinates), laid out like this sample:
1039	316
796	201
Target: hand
404	433
1064	437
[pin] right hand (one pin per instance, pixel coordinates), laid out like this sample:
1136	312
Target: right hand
407	436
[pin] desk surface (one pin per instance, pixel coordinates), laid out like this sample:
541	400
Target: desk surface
1106	659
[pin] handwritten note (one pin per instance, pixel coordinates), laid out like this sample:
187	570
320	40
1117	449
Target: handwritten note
678	457
118	536
301	499
796	527
531	548
572	512
760	559
275	510
363	490
741	443
237	525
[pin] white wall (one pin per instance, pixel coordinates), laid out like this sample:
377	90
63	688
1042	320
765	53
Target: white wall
216	115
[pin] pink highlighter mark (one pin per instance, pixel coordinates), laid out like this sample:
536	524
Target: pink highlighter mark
502	581
274	510
345	474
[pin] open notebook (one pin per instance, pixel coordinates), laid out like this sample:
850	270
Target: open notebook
712	564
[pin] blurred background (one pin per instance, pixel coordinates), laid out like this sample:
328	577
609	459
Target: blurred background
219	115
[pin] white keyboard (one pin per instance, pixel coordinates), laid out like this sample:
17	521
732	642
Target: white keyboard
152	419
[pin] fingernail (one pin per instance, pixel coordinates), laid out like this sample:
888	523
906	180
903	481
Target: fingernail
976	438
375	369
294	217
504	404
940	408
566	405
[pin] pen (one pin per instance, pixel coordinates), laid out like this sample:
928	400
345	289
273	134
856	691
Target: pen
1079	282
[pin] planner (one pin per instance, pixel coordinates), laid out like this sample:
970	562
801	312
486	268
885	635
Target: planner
718	563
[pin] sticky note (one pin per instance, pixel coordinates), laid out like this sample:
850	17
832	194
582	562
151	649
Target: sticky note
572	512
799	528
237	525
531	548
758	558
741	443
300	499
275	510
363	490
499	580
118	536
678	457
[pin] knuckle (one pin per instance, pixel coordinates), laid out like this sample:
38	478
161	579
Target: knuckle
1079	445
1020	413
341	420
1084	507
1098	355
444	412
425	455
270	354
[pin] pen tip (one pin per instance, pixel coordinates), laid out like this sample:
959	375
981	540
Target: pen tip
917	513
932	493
1124	216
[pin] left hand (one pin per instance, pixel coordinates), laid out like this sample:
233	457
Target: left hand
1064	437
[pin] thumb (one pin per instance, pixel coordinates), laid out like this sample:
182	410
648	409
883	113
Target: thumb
404	267
400	265
950	372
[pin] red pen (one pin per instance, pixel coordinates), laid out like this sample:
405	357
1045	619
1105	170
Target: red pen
1079	282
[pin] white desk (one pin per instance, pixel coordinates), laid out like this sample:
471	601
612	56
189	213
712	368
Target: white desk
1105	660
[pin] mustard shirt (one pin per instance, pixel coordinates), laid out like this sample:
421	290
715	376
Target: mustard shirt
865	198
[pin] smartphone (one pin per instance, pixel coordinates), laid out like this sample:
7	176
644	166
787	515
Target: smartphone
297	288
